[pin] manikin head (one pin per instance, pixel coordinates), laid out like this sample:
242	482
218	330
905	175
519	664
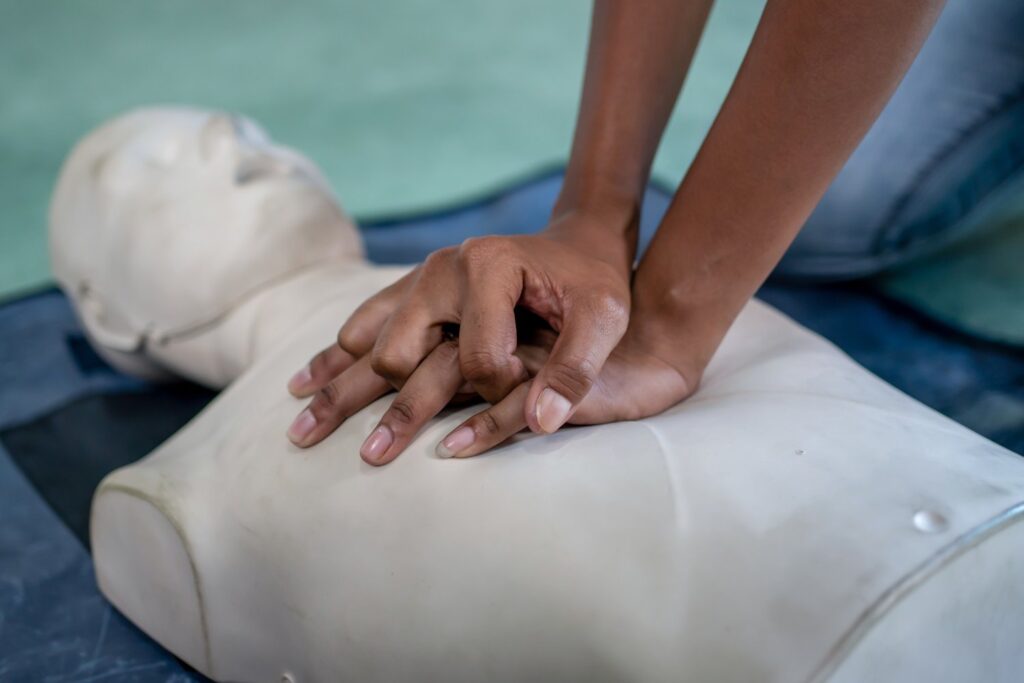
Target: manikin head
166	220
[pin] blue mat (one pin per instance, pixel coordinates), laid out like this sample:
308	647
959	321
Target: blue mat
55	626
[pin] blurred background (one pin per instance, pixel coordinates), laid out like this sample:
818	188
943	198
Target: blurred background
407	105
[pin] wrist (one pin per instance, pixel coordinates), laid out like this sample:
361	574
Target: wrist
615	202
606	227
679	324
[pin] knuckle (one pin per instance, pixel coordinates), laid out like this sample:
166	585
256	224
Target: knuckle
320	365
353	339
480	366
327	401
488	424
448	351
355	336
572	377
390	366
402	411
478	251
437	260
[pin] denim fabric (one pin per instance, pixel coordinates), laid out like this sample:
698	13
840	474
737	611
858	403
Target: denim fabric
949	139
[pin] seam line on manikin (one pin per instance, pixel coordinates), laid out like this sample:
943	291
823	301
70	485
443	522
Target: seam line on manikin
906	585
755	393
162	337
670	467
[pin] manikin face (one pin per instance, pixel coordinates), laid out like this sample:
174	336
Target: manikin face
165	219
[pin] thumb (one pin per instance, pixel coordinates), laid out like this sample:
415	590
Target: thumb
588	336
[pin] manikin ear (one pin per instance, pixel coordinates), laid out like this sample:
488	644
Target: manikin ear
113	334
218	134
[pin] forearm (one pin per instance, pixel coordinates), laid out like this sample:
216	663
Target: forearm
637	60
817	74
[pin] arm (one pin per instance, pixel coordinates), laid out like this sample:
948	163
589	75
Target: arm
575	274
817	74
638	56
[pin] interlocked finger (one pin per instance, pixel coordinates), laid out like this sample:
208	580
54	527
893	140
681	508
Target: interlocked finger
488	428
350	392
427	391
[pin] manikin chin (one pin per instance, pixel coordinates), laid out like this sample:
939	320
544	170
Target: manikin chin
796	520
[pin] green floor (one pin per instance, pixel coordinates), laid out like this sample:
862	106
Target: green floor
407	105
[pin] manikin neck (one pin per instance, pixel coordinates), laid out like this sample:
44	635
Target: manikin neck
218	353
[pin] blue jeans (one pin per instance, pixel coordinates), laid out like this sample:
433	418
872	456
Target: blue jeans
949	141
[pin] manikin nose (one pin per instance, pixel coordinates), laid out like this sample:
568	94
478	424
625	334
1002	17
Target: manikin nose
256	165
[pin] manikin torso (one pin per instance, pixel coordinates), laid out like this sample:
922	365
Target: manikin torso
796	520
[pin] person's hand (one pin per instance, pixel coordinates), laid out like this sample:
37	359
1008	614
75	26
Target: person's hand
572	276
636	381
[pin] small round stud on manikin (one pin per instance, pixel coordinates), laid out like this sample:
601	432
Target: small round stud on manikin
930	522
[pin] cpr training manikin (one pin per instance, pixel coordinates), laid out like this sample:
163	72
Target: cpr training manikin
796	520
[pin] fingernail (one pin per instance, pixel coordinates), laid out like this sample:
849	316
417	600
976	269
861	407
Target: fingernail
302	426
552	410
459	440
300	379
377	443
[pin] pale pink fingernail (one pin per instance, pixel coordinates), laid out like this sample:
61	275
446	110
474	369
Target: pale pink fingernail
552	410
377	444
300	379
459	440
302	426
